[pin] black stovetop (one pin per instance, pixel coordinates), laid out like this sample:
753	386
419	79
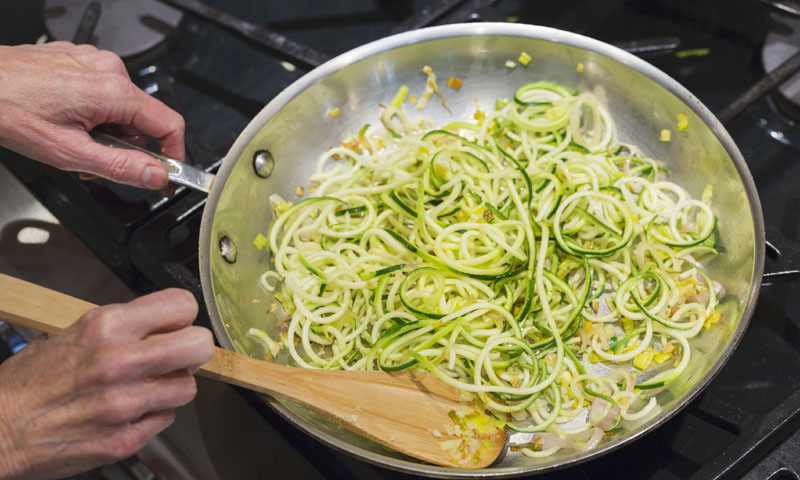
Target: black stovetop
745	423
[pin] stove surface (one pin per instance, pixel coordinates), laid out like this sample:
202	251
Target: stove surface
744	424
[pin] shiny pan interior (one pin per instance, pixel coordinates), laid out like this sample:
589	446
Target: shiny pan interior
295	129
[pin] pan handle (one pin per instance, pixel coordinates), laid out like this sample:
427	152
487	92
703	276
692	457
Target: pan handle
179	172
783	256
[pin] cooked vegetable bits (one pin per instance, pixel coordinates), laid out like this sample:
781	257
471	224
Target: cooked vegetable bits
683	121
454	83
529	258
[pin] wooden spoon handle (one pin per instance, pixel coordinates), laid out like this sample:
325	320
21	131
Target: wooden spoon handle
38	308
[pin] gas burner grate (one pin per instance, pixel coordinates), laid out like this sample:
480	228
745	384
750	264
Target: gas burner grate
220	69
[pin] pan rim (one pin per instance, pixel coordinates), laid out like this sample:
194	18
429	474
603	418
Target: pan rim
469	30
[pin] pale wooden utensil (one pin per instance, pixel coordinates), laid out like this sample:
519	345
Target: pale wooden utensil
399	411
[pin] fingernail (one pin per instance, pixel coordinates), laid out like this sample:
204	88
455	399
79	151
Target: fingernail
154	178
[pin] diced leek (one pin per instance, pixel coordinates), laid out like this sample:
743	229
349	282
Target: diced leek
451	444
683	121
260	241
666	135
642	361
400	96
278	204
708	194
454	83
627	325
442	171
333	112
579	68
273	346
712	319
632	345
286	302
430	88
661	357
524	59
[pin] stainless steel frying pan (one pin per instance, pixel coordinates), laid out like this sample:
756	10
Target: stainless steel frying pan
278	151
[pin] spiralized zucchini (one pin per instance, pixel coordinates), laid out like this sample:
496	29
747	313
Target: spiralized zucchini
529	259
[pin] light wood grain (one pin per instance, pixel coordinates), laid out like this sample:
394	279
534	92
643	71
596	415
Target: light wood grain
396	410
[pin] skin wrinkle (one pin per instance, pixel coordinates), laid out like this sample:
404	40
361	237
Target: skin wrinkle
72	392
20	441
76	438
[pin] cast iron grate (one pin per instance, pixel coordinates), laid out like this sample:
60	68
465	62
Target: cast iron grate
745	424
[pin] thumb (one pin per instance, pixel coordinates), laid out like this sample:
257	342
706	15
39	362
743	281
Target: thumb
123	166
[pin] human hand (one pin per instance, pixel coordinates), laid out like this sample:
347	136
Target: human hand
52	94
95	392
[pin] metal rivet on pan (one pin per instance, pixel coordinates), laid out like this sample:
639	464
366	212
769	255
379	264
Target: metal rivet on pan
227	249
263	163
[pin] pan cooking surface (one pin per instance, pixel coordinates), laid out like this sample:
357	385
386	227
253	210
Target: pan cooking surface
639	97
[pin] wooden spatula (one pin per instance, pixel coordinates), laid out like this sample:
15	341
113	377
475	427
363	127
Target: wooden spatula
401	411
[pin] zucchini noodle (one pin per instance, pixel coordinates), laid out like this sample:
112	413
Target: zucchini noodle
528	259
